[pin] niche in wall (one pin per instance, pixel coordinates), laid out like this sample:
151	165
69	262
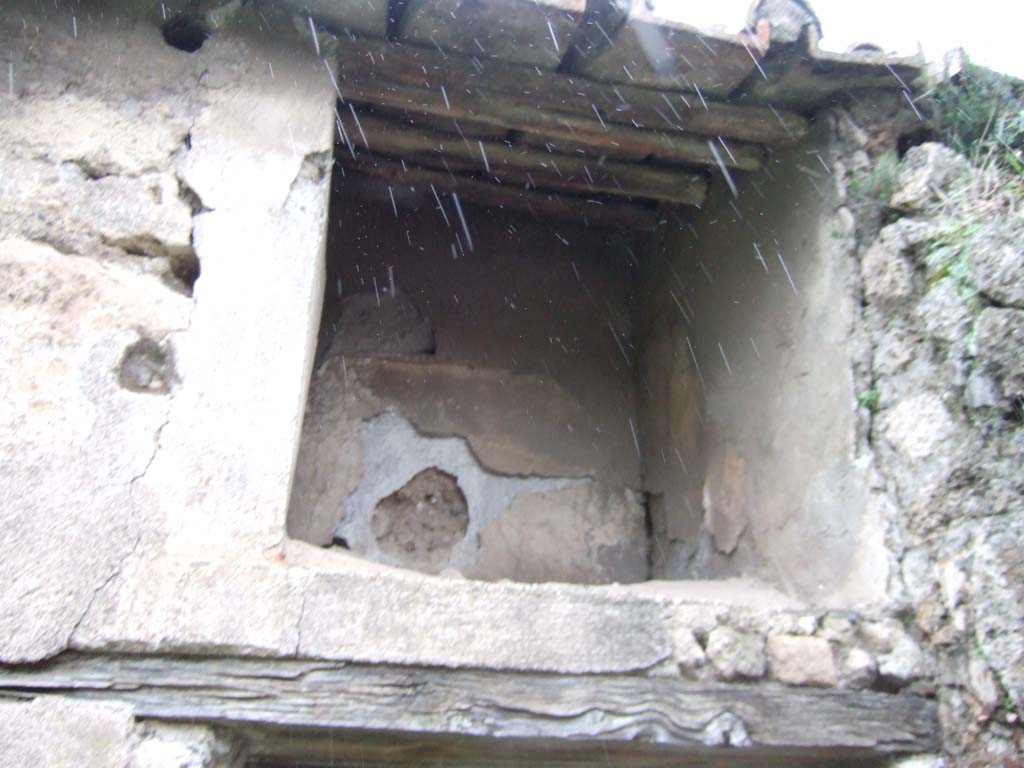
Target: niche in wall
550	401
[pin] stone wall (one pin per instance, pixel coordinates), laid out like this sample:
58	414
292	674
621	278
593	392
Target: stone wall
943	309
163	218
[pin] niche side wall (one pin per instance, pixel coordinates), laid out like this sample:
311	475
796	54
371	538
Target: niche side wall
747	400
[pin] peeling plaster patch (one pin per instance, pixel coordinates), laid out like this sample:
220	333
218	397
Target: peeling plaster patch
394	453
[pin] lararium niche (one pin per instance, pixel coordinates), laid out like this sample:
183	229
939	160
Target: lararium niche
540	362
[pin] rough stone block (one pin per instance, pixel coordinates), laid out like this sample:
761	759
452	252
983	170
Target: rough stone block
54	732
999	337
736	654
928	172
798	660
859	668
997	265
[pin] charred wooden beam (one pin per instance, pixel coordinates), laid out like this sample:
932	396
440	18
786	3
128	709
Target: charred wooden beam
428	80
525	166
309	710
592	210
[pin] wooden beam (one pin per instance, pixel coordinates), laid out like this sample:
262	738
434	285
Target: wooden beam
534	32
523	165
590	211
427	80
802	76
653	51
469	129
300	709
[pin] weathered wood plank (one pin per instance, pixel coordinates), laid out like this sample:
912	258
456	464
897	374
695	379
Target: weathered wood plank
428	80
652	51
469	129
593	210
365	80
559	717
522	165
800	77
534	32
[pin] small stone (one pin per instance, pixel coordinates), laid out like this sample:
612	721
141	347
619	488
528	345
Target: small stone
183	746
919	426
859	668
983	684
927	173
888	274
981	392
688	654
806	625
837	627
944	313
999	337
997	265
881	636
736	654
920	761
904	663
952	580
798	660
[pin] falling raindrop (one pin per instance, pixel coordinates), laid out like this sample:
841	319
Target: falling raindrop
696	365
760	257
462	218
359	126
700	95
724	358
483	154
622	349
721	165
312	31
554	39
330	74
788	276
440	207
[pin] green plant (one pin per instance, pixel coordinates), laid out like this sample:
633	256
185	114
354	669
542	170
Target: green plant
980	113
870	399
947	255
876	186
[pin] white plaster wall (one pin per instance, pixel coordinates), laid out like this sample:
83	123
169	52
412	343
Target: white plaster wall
778	484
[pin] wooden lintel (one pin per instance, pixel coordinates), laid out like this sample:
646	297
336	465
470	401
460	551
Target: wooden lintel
523	165
309	710
428	80
593	210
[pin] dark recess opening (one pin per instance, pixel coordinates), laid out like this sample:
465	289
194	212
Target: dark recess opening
184	32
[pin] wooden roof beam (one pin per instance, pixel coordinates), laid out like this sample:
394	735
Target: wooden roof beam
429	80
526	166
593	210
